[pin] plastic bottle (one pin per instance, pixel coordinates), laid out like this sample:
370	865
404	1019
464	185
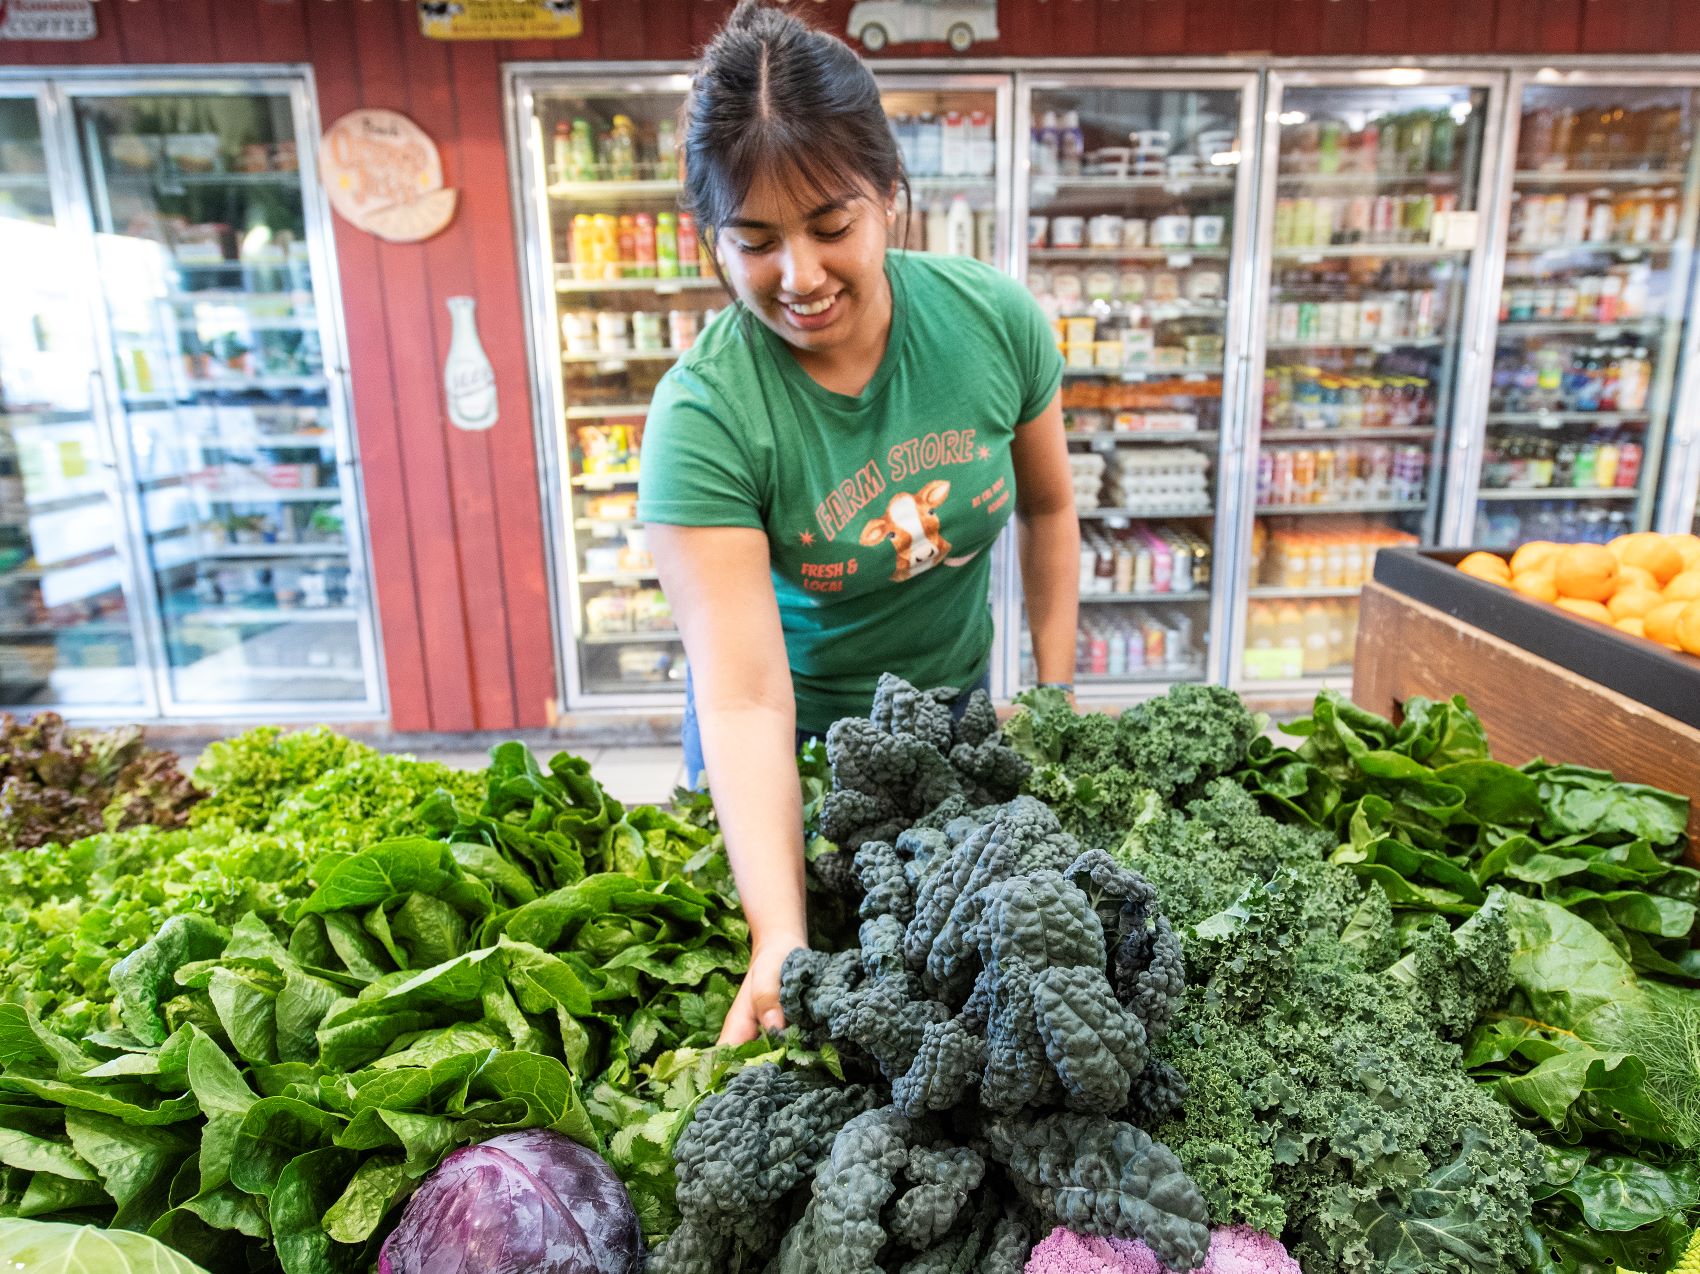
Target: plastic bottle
959	228
982	149
643	246
666	245
938	227
1047	146
1071	145
929	145
561	151
690	259
628	245
1290	632
581	164
953	145
620	155
666	151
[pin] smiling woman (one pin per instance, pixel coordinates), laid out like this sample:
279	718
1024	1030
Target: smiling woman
826	471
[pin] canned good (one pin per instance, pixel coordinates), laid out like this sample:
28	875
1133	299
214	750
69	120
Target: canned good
1105	231
1173	231
1307	320
613	332
1135	232
1066	232
1287	322
578	331
1207	232
681	328
646	330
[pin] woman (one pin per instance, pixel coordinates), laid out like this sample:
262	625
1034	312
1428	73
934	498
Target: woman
826	471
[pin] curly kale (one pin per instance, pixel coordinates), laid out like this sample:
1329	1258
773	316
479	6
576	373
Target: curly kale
1183	739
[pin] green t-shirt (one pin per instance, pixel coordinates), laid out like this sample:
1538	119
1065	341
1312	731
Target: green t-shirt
880	509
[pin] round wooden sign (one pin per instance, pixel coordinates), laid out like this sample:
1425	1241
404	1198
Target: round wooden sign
383	174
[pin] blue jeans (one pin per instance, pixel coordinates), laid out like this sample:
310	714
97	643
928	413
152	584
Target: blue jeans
690	732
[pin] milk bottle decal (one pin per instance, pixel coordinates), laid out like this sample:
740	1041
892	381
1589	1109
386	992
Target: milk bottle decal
469	382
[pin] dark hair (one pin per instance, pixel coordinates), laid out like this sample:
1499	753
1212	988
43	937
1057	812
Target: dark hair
772	92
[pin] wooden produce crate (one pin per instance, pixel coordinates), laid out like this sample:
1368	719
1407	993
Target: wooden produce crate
1543	682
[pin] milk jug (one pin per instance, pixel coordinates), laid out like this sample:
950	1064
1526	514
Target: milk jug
469	382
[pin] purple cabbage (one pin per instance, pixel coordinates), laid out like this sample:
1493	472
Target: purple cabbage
530	1202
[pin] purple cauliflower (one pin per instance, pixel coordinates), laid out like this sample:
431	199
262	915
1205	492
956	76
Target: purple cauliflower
1234	1249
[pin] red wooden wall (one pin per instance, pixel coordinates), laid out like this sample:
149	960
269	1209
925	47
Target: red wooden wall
456	518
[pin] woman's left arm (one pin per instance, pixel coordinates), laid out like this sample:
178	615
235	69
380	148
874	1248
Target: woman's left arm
1048	540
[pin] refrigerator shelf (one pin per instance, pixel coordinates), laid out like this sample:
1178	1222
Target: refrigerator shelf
604	190
626	639
588	524
307	324
626	356
24	181
961	181
1366	180
1277	593
620	577
1099	437
1599	245
604	481
1556	493
265	552
1309	684
661	287
1345	506
1049	187
266	442
1411	251
602	413
1155	511
1558	327
1143	599
65	500
1141	676
276	495
1356	435
35	419
1386	347
87	628
1604	176
237	296
165	180
1142	373
254	616
1177	257
1553	419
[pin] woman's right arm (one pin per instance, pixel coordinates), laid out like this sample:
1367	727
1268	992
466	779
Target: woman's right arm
718	583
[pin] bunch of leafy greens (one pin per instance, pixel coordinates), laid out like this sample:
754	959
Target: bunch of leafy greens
1597	1046
1326	1097
272	1069
58	784
248	777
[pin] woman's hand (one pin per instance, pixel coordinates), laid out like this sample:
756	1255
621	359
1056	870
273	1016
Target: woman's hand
756	1008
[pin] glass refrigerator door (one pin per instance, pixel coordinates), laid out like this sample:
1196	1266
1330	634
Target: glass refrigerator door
236	450
1373	225
1136	200
629	292
67	633
1600	229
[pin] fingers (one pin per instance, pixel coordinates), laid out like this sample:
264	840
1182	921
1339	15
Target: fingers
740	1025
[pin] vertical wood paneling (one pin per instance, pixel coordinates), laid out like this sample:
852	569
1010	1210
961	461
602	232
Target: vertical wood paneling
1385	25
511	452
707	17
1165	28
1121	27
190	30
1209	26
433	519
669	24
1254	26
1473	26
1430	26
1343	26
1076	29
143	30
433	94
397	586
1024	25
1298	26
1610	28
1685	26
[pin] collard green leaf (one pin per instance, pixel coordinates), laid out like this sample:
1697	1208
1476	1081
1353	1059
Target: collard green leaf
1616	1192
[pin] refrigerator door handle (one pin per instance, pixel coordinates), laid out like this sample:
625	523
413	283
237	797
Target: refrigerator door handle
102	418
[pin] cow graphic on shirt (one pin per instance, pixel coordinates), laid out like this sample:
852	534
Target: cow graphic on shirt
911	523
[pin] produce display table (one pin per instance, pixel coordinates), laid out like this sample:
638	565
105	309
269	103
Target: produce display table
1471	638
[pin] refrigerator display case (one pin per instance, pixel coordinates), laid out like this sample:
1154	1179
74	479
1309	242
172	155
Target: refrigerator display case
620	288
182	530
1136	198
1597	227
68	636
1371	242
233	439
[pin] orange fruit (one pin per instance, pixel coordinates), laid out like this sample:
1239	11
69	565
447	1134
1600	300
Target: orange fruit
1688	628
1632	603
1622	543
1486	566
1660	622
1684	588
1636	577
1536	584
1634	627
1532	555
1687	547
1586	609
1585	571
1653	555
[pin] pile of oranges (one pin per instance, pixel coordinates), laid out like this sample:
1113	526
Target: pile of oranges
1644	584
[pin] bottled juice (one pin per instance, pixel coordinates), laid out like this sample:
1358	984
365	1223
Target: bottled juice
666	245
606	257
1290	628
1318	652
627	244
620	151
690	262
643	246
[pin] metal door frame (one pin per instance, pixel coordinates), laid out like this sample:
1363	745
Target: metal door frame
296	83
1394	73
1464	473
1237	325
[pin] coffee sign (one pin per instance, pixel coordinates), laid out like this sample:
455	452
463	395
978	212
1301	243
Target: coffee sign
47	20
383	174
